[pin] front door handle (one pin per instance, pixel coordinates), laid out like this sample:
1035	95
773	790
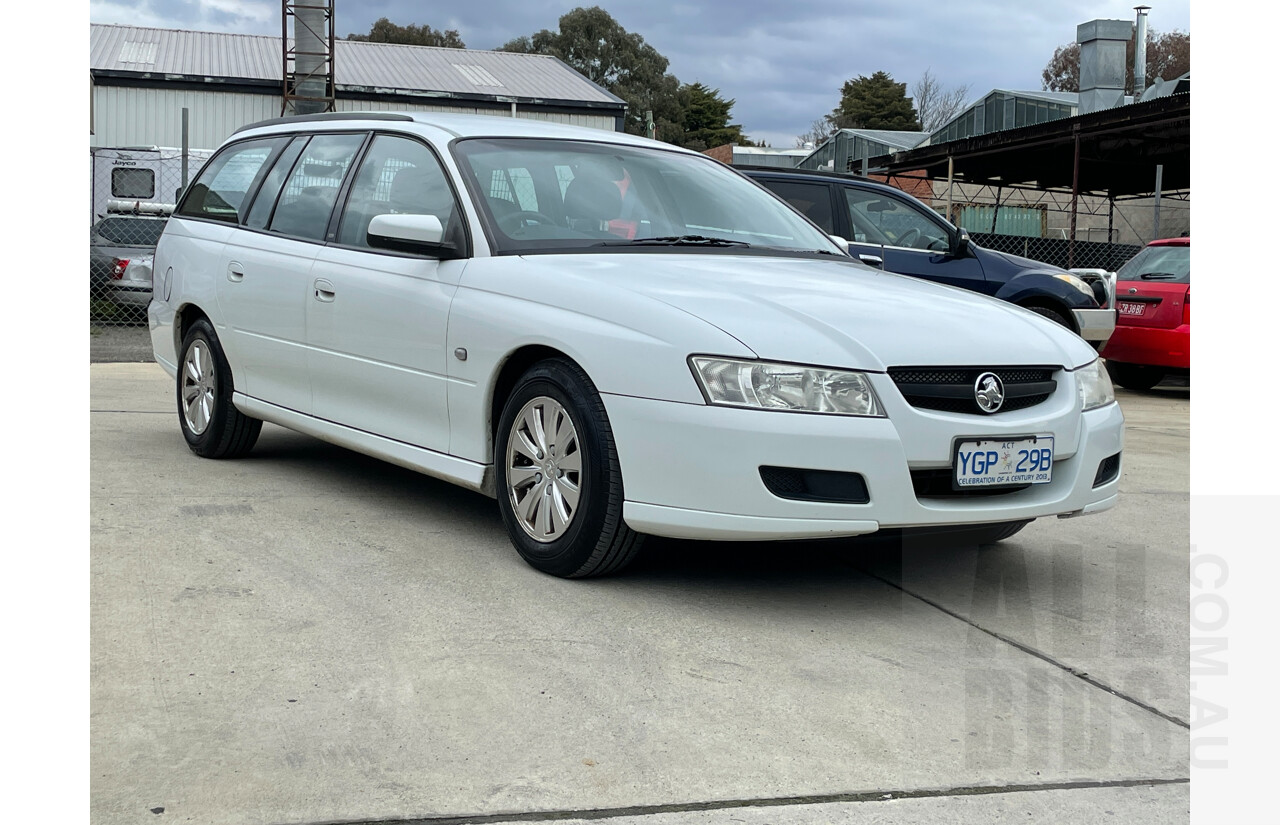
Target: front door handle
235	272
324	291
872	260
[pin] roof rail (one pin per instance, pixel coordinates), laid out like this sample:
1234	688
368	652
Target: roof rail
326	117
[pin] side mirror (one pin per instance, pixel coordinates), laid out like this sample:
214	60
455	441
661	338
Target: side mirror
840	242
422	234
961	247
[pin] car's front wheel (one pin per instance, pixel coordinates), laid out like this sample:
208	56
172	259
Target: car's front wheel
1134	376
211	424
558	479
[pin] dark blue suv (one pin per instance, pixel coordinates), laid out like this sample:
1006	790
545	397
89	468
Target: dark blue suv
889	229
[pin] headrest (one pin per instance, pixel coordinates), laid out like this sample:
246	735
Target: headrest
592	197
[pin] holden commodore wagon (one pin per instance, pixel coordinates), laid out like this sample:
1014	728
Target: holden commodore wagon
611	336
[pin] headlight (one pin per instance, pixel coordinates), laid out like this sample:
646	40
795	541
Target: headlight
1076	282
1095	386
788	387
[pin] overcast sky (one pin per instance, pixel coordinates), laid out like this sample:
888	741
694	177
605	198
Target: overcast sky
783	62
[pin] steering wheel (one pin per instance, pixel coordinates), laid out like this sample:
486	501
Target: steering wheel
519	220
908	237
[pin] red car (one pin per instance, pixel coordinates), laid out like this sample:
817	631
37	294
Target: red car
1153	316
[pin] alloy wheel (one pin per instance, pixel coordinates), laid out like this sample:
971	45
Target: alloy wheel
544	469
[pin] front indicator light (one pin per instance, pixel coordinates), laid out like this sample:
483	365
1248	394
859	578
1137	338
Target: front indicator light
786	387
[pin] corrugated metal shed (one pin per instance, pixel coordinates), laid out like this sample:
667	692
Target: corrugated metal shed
889	137
173	55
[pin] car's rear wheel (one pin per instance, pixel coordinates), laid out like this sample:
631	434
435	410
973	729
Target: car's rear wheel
211	424
558	479
1134	376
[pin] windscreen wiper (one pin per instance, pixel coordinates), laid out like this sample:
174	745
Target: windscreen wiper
1157	276
677	240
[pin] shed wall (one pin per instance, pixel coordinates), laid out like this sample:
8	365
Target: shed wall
132	116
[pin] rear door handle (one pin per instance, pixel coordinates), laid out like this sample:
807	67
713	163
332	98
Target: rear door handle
235	272
324	291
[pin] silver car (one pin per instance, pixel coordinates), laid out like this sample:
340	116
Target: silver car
121	248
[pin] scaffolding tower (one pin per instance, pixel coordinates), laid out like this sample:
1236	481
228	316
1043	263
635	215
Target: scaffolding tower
308	57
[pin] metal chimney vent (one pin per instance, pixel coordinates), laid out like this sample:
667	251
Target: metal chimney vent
1140	52
1102	63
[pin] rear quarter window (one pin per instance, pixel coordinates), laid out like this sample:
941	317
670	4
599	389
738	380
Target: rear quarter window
220	192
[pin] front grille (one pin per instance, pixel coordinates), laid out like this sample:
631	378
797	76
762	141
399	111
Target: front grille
950	389
1108	470
938	484
815	485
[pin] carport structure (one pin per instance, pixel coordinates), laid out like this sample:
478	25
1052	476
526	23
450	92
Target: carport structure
1137	151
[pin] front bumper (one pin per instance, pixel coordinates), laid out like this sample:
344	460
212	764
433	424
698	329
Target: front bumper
693	471
1096	325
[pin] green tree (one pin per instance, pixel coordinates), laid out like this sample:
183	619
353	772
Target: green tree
598	47
1168	56
704	119
875	102
384	31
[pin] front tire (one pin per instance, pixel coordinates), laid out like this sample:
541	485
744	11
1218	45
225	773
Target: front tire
559	483
1053	315
210	422
1134	376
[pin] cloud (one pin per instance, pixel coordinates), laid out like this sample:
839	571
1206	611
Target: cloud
241	16
783	63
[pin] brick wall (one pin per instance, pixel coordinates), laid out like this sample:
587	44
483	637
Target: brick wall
724	153
915	187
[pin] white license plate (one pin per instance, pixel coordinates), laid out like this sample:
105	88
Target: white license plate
1128	308
997	462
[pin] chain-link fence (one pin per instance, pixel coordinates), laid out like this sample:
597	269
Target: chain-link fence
132	193
1038	224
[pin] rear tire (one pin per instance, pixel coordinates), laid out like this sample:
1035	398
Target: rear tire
210	422
559	483
1134	376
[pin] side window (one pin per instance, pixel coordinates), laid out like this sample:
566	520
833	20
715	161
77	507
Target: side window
265	200
398	175
311	189
219	192
813	199
887	220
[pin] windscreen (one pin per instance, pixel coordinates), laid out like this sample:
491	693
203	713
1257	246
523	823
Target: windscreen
565	195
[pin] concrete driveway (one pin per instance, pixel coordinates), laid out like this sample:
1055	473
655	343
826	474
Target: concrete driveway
307	635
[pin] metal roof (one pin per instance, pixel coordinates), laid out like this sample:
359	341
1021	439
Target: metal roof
889	137
1119	150
1070	98
359	66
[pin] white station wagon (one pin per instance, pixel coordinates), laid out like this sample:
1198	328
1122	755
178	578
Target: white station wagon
613	337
